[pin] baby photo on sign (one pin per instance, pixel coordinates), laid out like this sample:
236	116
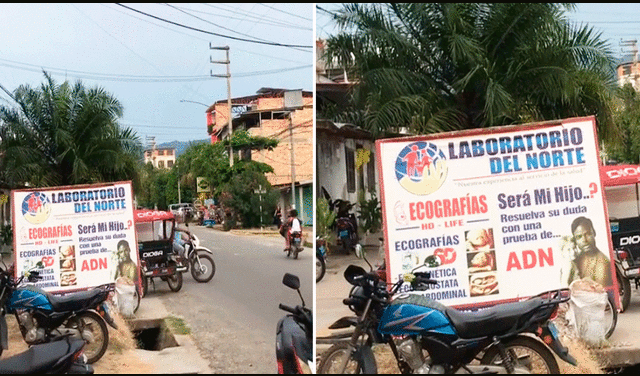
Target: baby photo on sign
483	284
483	261
479	239
67	265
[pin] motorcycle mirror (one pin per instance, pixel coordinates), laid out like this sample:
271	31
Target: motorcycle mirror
359	252
291	281
352	272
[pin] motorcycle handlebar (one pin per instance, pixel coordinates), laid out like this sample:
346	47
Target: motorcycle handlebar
288	309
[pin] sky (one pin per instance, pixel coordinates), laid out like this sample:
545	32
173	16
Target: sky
160	70
616	21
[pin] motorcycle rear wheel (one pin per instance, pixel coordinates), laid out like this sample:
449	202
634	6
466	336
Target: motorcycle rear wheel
203	270
93	330
531	354
321	268
361	361
175	282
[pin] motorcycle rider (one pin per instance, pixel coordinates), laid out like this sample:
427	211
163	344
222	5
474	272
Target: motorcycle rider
293	224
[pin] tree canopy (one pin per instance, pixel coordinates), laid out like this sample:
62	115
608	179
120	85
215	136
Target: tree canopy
434	67
64	134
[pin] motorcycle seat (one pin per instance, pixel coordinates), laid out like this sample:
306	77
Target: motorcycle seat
39	358
73	301
495	320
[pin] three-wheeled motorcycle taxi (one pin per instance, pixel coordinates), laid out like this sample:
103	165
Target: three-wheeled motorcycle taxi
622	190
155	232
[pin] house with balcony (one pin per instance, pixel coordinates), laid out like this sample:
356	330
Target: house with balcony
265	114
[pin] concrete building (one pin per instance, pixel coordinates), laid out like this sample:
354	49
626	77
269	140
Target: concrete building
265	115
160	157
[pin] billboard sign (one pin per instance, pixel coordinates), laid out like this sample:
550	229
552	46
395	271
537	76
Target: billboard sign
496	214
83	235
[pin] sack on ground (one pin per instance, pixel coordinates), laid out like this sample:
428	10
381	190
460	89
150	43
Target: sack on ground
586	311
125	296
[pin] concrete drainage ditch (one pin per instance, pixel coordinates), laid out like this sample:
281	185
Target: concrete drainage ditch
153	334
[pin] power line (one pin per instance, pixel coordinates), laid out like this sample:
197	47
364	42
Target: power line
282	11
134	78
246	14
257	20
196	37
222	27
117	40
216	34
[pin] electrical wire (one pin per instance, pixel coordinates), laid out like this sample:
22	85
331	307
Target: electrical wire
248	14
216	34
135	78
222	27
282	11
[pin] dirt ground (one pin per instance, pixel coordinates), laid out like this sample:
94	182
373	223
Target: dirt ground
587	361
120	357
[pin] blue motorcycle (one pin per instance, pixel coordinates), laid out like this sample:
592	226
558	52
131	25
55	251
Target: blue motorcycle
44	317
427	337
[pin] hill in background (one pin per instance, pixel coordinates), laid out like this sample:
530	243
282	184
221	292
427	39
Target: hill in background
181	146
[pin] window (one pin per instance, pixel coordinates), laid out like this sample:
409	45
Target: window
350	159
169	152
626	70
371	172
169	164
160	164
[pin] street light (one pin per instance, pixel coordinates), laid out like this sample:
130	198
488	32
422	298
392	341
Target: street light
184	100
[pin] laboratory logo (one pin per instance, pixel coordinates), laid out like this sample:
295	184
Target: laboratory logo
421	168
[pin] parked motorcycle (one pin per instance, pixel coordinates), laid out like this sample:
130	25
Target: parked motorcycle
345	225
501	337
627	270
45	317
294	334
199	259
62	356
321	258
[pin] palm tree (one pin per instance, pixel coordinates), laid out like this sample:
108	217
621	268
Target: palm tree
65	134
434	67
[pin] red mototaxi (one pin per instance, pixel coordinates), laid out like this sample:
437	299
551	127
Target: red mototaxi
155	232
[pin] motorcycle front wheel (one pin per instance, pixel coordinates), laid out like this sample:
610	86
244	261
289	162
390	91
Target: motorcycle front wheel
90	327
321	268
175	282
525	352
204	269
361	360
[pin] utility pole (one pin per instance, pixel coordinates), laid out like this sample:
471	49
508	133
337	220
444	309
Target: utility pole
292	101
228	76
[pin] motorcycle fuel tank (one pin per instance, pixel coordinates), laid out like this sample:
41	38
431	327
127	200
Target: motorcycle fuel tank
414	314
28	297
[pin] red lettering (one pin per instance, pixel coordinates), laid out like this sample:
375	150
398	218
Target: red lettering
420	210
94	264
548	257
528	259
446	255
513	262
412	211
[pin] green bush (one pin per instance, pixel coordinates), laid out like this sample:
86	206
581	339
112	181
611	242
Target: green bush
369	213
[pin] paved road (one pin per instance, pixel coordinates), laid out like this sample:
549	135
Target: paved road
234	316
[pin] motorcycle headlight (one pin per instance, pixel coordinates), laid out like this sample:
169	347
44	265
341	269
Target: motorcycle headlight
357	293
